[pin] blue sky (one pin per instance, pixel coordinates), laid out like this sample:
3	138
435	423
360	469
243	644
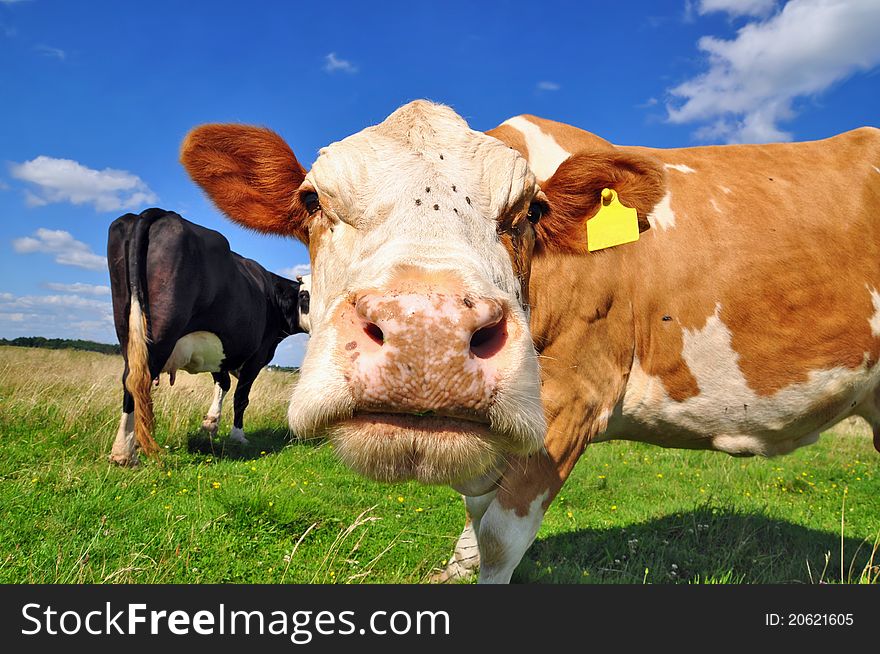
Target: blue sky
96	96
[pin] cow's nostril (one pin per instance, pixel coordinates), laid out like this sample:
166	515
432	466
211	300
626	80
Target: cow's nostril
374	332
488	341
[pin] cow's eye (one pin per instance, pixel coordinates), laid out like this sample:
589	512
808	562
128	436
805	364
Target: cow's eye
536	210
311	202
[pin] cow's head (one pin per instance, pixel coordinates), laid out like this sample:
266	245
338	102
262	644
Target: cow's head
420	232
305	298
288	298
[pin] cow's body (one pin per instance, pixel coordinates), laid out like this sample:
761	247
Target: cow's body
755	307
183	301
745	319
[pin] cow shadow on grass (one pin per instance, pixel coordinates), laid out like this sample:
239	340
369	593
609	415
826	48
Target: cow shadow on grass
707	545
260	443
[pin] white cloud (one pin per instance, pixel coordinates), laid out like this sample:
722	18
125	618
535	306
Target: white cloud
548	86
736	8
293	271
56	316
332	63
754	78
65	180
78	287
49	51
67	250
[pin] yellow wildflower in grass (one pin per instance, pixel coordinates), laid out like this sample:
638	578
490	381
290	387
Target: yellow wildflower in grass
614	507
215	484
659	475
399	498
419	510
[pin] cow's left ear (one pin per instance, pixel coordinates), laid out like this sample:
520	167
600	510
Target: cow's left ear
251	174
574	194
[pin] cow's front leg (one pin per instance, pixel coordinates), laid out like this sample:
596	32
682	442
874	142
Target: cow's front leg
212	418
511	521
465	560
526	489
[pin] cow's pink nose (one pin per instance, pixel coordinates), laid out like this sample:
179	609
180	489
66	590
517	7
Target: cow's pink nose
417	352
478	323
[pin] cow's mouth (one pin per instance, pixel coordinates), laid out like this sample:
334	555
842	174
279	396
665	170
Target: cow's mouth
431	448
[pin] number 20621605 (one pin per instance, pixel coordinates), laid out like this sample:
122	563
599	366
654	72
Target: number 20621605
808	619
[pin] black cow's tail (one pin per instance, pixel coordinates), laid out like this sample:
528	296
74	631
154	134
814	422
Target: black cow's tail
139	377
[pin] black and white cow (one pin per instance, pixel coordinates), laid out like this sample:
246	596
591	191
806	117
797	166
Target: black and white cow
182	300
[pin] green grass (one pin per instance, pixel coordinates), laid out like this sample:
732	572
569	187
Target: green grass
281	511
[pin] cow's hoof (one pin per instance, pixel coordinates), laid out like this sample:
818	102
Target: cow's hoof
210	425
455	572
125	460
237	435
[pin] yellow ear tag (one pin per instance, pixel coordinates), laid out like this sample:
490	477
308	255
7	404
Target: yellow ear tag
614	224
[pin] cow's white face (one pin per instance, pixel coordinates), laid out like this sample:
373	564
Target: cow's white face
420	363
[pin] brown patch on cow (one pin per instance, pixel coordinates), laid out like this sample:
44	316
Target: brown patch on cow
351	345
512	137
574	193
250	174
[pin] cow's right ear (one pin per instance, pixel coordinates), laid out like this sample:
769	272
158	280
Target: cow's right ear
251	174
574	193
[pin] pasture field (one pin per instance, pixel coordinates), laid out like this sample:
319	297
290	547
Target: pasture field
287	511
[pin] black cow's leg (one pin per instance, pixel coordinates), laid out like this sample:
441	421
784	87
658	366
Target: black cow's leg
221	387
246	377
124	450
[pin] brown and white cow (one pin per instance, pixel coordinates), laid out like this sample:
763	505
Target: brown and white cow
746	318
